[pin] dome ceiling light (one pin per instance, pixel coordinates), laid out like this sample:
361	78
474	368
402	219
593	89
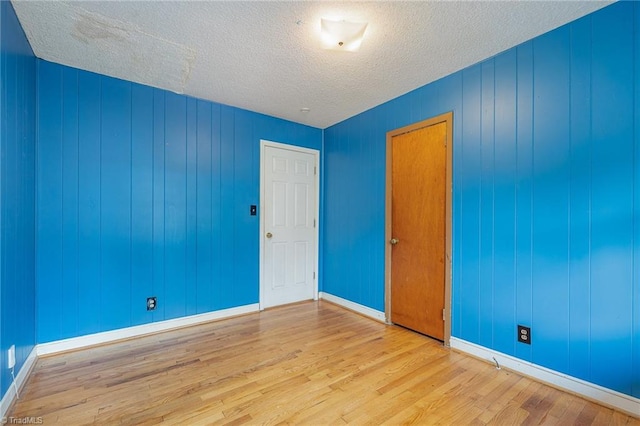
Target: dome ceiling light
342	35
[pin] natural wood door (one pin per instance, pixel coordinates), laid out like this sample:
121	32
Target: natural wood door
418	211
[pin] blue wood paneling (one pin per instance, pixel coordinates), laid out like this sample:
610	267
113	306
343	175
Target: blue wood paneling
89	204
612	197
504	274
141	199
245	248
487	202
546	191
224	294
17	193
470	185
142	192
580	199
70	152
204	208
158	213
636	208
49	226
351	212
191	303
115	193
175	207
550	211
524	186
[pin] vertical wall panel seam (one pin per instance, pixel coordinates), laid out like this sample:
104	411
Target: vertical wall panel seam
2	108
36	163
131	283
493	212
531	204
516	192
211	201
457	294
479	285
61	285
164	204
77	271
100	281
220	134
635	334
186	205
634	237
233	197
213	240
590	371
162	311
197	215
569	197
153	195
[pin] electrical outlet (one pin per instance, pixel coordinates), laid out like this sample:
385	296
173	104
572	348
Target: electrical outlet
152	303
524	334
11	357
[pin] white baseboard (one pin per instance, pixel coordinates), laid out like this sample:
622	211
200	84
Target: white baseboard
361	309
140	330
585	389
10	396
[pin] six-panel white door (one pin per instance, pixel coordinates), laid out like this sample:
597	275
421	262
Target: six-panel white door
288	231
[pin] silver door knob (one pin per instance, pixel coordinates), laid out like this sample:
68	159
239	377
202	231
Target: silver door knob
394	241
269	235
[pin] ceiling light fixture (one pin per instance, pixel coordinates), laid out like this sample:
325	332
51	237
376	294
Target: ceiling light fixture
342	35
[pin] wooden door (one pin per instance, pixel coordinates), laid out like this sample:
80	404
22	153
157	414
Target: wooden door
289	254
418	229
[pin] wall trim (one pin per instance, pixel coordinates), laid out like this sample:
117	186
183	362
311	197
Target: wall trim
10	396
356	307
590	391
140	330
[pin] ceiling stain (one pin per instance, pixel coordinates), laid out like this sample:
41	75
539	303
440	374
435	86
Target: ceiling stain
88	27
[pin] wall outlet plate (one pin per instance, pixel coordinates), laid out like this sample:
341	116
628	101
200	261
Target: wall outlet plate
11	357
524	334
152	303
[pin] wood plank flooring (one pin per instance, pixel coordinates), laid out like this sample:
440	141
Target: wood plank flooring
310	363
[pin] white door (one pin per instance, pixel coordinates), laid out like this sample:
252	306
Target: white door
289	224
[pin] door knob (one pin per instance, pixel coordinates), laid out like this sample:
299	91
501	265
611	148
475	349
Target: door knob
394	241
269	235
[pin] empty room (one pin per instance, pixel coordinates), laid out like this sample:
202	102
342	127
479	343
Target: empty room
309	212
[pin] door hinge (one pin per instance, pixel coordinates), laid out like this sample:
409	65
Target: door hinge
443	317
314	275
314	223
315	170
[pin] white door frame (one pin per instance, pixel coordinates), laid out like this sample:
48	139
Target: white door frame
261	209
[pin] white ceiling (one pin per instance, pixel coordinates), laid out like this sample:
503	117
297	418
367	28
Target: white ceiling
267	57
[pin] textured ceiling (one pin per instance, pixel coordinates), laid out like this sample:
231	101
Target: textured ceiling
267	57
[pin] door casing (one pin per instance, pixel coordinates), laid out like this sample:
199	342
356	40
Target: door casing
261	209
448	119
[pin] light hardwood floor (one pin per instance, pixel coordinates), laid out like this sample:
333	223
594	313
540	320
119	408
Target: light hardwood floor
310	363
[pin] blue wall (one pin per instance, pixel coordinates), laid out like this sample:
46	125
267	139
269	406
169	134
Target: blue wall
143	192
546	206
17	192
